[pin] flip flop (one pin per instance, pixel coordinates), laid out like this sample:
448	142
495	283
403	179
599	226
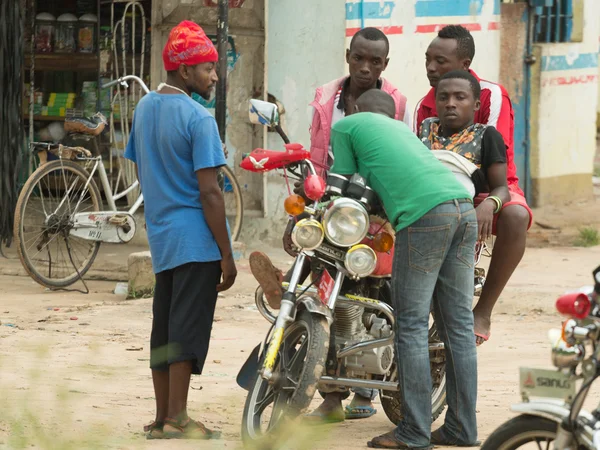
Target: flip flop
154	430
359	412
188	429
482	336
268	277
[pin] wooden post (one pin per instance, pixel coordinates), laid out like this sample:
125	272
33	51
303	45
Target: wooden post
222	44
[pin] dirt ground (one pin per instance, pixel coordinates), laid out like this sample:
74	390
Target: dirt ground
74	368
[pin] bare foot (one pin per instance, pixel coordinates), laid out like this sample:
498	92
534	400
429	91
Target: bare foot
483	325
330	410
360	401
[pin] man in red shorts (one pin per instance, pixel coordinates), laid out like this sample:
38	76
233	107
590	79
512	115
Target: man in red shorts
454	49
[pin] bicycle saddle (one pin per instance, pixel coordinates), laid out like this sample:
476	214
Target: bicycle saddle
262	160
86	125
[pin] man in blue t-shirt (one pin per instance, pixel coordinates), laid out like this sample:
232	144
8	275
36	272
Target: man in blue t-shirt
176	146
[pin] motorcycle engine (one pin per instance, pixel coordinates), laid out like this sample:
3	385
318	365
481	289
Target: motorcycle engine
353	325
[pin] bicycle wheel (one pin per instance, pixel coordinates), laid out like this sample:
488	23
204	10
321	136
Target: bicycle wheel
234	207
44	217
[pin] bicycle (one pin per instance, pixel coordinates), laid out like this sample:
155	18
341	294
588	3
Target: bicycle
59	221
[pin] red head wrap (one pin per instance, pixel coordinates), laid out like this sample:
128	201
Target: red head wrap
188	44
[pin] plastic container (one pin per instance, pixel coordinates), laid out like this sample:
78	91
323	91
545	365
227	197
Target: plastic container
66	27
44	32
86	33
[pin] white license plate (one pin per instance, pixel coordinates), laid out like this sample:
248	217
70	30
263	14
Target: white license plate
546	383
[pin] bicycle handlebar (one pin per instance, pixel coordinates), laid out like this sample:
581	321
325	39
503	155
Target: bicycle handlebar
123	82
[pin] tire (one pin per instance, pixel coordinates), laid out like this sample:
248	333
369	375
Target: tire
26	199
293	402
391	401
234	203
521	430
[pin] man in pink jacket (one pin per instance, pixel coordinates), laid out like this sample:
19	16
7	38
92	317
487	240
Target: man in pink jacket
367	58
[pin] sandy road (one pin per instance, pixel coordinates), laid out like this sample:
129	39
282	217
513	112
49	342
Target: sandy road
75	367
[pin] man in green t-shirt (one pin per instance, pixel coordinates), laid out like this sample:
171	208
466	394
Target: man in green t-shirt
436	228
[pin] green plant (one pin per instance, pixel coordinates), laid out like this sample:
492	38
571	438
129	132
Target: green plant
588	237
133	293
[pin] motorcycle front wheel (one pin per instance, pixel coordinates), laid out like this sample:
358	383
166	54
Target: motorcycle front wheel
523	432
298	368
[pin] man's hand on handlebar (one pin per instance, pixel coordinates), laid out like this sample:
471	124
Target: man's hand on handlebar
299	190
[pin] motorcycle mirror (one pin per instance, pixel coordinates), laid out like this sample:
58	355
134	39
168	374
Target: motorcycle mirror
263	113
554	335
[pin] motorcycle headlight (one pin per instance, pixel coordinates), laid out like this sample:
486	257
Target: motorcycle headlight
360	261
307	234
346	222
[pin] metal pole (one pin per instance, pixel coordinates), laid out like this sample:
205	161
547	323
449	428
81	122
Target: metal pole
221	93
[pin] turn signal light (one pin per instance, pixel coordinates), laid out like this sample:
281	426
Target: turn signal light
294	205
575	305
564	333
383	242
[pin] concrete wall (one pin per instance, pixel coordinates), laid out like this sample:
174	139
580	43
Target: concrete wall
305	49
411	25
563	115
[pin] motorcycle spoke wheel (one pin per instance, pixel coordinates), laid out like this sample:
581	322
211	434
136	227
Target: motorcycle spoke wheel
272	406
523	433
272	398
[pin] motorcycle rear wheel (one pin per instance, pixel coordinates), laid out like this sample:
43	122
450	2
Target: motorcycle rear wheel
391	401
538	432
298	368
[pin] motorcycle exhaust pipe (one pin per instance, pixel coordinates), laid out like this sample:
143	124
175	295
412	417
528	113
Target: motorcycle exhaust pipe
353	382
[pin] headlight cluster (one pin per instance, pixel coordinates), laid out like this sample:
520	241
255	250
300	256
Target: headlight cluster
345	224
307	234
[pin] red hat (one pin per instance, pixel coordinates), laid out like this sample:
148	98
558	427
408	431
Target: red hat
188	44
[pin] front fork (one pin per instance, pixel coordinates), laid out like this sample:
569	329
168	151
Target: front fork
287	313
285	316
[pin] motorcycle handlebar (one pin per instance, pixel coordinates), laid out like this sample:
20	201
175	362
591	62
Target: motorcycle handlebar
123	81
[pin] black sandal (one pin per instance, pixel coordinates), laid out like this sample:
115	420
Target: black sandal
389	440
188	429
154	430
438	439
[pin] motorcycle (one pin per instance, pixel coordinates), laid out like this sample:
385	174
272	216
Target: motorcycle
551	411
336	331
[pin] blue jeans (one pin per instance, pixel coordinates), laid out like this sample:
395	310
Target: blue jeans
434	261
365	392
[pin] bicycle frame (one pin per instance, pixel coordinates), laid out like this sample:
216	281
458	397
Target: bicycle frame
110	197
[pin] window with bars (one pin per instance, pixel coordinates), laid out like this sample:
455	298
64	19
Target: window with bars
554	21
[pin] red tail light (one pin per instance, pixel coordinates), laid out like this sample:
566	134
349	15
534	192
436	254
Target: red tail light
575	305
